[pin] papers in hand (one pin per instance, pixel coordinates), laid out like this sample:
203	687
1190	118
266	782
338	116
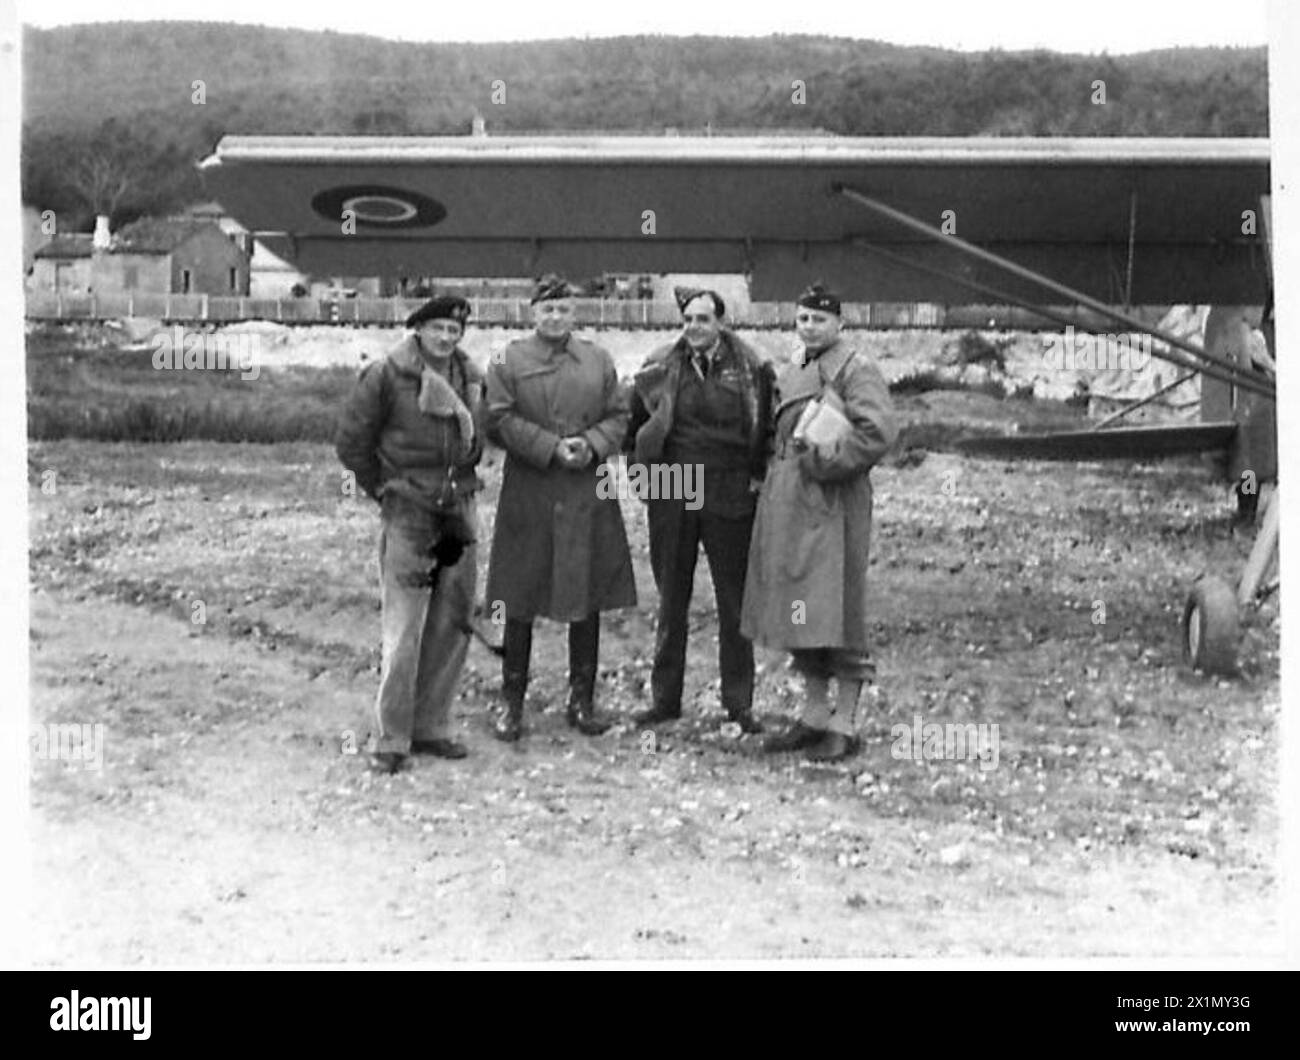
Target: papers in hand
823	423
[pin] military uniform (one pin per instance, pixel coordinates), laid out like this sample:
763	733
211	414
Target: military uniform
713	413
559	550
806	590
420	465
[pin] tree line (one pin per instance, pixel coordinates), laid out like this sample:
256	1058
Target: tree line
113	120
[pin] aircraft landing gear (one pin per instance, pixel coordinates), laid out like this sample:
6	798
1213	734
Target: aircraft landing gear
1211	627
1213	613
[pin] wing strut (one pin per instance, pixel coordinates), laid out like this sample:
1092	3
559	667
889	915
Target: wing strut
1068	293
1232	378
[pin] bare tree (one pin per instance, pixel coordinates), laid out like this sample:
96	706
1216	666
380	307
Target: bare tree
110	169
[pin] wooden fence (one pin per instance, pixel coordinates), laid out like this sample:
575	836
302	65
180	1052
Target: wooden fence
486	312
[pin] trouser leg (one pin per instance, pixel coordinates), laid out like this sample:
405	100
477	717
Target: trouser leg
674	549
726	543
404	603
443	648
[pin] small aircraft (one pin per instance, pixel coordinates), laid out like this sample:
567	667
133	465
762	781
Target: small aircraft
1042	222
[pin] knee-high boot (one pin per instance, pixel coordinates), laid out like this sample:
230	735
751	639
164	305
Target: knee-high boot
584	652
518	649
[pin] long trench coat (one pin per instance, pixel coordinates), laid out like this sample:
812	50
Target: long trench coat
558	549
806	586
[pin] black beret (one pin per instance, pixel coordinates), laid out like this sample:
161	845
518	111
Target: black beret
686	295
818	297
551	287
445	307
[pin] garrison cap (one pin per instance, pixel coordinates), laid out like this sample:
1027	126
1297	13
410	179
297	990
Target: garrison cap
818	297
550	287
686	295
445	307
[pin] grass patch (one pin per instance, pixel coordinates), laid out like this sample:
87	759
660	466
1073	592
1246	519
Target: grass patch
118	396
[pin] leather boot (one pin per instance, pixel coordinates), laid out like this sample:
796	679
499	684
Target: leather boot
518	647
843	741
747	722
811	726
584	650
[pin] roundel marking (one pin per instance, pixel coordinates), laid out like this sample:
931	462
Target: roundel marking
379	206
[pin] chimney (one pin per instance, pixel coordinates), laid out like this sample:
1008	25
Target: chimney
479	127
101	240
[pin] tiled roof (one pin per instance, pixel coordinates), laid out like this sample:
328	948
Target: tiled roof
151	235
71	245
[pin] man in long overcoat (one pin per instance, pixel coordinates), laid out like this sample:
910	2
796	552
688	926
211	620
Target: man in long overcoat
806	588
559	549
412	434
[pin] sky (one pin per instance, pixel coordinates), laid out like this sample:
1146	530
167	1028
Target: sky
1114	26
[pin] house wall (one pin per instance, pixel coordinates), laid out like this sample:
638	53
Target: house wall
33	237
63	276
270	276
210	255
113	272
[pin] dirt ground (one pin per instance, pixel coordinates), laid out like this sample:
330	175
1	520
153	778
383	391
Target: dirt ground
1132	811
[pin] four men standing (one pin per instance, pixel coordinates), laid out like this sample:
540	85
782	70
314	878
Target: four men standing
413	433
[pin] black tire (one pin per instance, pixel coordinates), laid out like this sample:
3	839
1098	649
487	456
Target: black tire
1211	627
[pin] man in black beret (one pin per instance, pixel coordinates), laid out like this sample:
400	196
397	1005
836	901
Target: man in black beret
445	307
701	402
412	434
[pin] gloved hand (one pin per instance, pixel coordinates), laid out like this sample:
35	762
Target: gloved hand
453	536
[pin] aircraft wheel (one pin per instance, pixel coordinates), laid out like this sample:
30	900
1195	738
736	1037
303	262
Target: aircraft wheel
1211	627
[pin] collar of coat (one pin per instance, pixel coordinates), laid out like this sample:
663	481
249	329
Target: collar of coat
798	382
659	378
405	358
667	362
540	349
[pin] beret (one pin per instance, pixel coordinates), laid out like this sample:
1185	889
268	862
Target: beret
550	287
818	297
686	295
445	307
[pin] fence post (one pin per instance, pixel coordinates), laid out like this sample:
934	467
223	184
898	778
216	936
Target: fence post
130	304
167	306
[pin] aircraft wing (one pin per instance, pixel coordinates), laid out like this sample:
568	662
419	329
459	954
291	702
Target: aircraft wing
1097	214
1131	443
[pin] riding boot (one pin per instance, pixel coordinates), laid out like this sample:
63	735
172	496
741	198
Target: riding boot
518	649
584	650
